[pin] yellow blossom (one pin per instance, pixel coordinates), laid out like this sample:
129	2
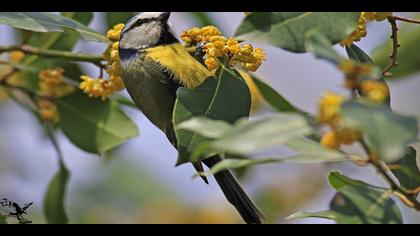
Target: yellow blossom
16	56
51	77
216	45
51	83
375	90
378	16
99	87
330	140
360	30
47	111
114	33
347	135
329	109
211	63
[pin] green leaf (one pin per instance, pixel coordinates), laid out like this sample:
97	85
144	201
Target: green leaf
55	41
273	98
225	97
113	18
357	203
408	37
247	137
358	55
48	22
408	173
203	19
3	219
312	152
94	125
205	127
317	43
54	209
385	132
308	152
287	29
320	214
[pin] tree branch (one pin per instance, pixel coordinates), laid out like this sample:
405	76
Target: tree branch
400	18
72	56
395	46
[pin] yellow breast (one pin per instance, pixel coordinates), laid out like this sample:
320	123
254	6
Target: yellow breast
175	59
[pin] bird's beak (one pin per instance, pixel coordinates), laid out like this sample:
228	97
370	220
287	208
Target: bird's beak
164	16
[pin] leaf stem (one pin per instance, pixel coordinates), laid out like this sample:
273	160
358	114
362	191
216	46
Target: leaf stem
53	139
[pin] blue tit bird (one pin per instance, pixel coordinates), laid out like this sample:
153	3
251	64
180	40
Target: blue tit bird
154	66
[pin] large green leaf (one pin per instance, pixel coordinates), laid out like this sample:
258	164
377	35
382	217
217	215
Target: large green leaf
408	59
321	46
94	125
203	19
247	137
308	152
48	22
287	29
385	132
55	41
113	18
54	209
273	98
408	173
225	97
357	203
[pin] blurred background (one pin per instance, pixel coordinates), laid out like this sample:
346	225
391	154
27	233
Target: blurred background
138	183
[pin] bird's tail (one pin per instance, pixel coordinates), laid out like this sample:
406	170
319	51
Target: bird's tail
235	194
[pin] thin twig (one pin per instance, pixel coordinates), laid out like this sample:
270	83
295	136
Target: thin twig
400	18
395	46
407	197
72	56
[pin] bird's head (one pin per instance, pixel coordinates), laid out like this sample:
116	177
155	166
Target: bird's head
147	29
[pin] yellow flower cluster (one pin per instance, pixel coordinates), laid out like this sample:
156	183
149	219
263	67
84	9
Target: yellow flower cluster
329	109
353	71
114	33
361	31
196	35
378	16
96	87
217	46
16	56
48	110
329	113
375	90
51	83
101	87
